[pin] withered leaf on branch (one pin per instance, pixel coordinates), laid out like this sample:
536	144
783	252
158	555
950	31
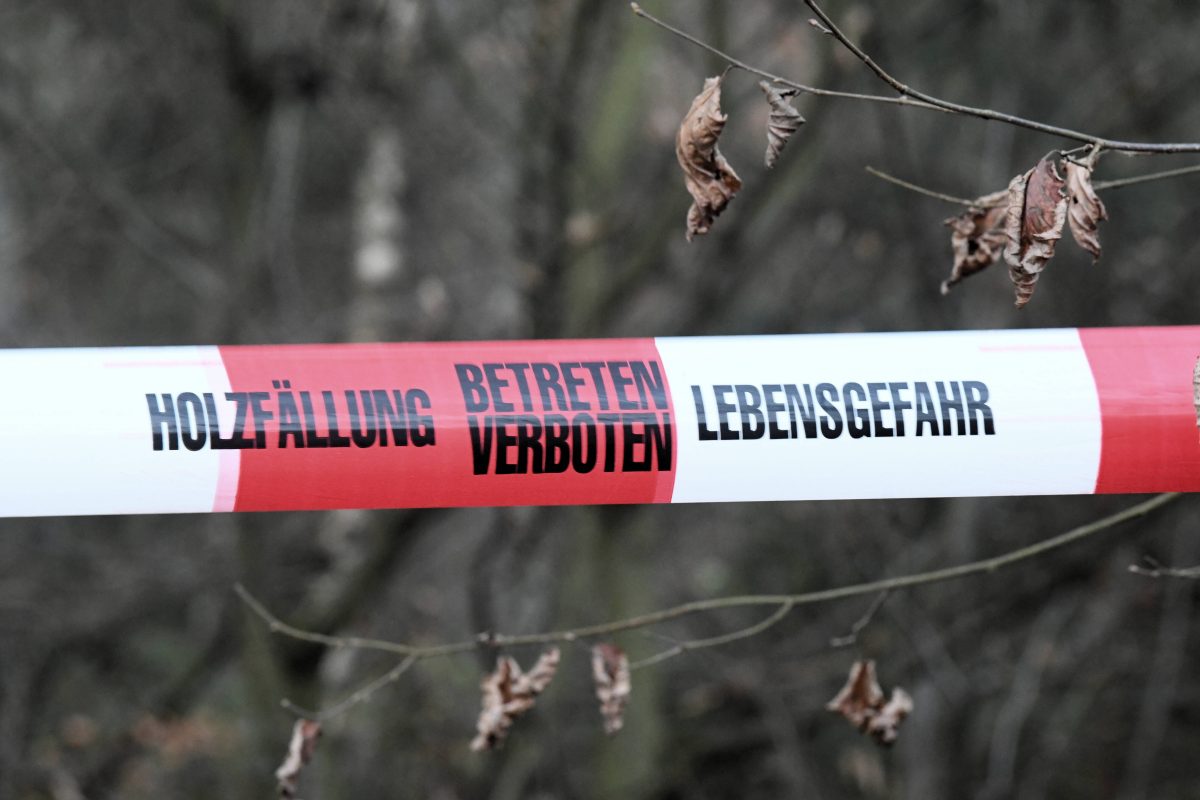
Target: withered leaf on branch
710	180
1037	211
610	672
886	722
300	752
861	695
1087	210
861	701
783	121
507	694
976	237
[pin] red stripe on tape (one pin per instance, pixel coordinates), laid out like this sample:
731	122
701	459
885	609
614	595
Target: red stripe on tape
458	424
1144	382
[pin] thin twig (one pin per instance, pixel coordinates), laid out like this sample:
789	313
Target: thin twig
358	696
1153	176
1155	570
742	65
1166	671
976	203
912	187
986	565
276	625
699	644
860	623
989	114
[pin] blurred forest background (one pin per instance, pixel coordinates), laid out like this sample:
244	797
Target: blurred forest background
214	171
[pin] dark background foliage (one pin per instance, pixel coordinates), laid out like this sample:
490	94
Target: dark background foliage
210	171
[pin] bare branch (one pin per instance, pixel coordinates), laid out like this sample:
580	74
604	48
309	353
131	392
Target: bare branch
276	625
1153	176
358	696
1167	672
912	187
1153	569
699	644
861	623
987	113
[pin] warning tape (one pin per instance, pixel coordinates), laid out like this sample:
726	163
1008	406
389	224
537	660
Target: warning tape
704	419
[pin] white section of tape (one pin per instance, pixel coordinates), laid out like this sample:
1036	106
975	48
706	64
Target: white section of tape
76	434
229	461
1040	389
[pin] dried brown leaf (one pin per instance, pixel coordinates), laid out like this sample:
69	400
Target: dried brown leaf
1087	210
610	672
537	679
1024	281
861	701
1037	211
710	180
783	121
997	200
507	694
861	695
496	713
886	722
976	237
300	752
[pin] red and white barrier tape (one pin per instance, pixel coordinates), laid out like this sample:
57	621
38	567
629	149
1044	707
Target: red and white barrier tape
707	419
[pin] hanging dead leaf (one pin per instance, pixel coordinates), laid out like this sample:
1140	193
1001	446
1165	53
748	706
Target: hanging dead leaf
861	695
610	672
300	752
538	678
1087	210
886	722
710	180
499	707
1037	211
976	237
507	694
783	121
861	701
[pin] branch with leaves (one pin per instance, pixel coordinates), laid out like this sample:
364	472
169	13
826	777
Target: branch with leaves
509	692
980	234
1020	224
908	96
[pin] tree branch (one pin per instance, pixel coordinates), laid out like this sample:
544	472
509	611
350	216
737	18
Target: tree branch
1153	176
358	696
785	601
1155	570
699	644
742	65
989	114
861	623
1098	186
912	97
912	187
